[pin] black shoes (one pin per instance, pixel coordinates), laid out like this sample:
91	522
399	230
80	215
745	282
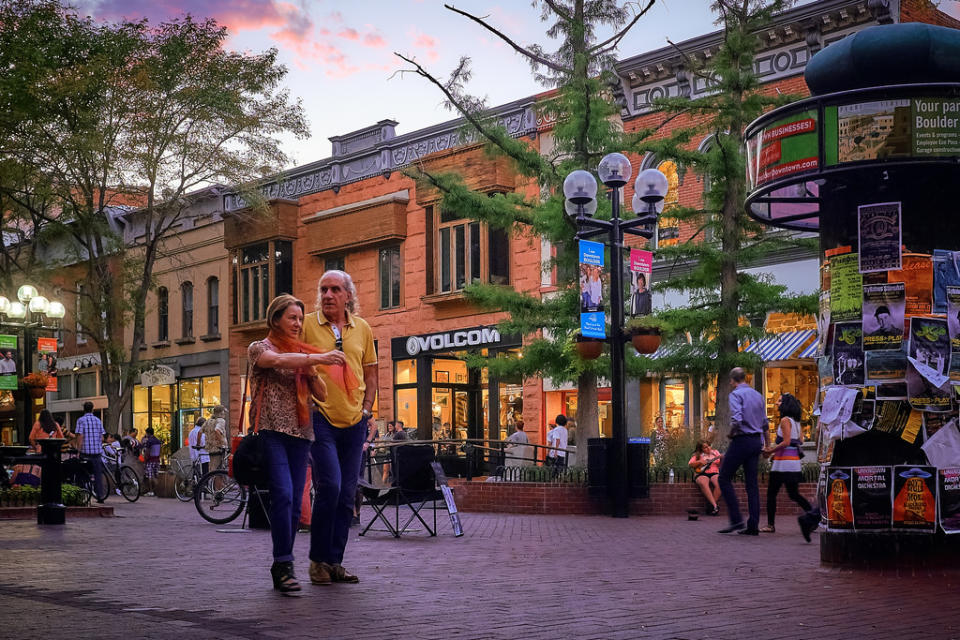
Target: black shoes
748	532
714	512
284	580
807	525
732	528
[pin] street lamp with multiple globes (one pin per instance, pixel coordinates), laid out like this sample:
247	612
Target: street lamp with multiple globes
30	312
580	191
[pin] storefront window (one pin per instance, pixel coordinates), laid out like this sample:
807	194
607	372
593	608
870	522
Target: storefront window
405	406
450	371
210	391
189	393
152	407
86	384
406	372
675	403
450	412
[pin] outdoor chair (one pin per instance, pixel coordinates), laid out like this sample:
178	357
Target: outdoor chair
415	485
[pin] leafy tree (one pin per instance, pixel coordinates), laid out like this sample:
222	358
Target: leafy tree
106	116
586	129
714	317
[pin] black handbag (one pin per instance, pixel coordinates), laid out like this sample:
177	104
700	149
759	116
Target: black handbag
249	465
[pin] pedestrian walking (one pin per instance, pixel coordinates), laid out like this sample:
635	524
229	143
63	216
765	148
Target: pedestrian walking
151	446
214	433
557	438
90	434
748	435
518	447
283	377
786	469
340	423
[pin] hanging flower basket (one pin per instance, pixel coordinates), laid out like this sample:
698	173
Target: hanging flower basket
35	384
645	339
589	348
37	392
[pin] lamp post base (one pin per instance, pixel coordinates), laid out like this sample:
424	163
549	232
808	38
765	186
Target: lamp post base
51	514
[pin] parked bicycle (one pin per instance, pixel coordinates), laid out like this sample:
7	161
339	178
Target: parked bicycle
219	498
189	474
123	478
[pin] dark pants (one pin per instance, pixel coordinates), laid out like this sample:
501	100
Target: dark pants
788	480
336	470
743	451
286	458
99	478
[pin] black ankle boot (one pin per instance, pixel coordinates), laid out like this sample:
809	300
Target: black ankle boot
284	580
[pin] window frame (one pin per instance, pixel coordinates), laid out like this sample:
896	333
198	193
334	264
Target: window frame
261	272
457	241
391	304
213	306
163	314
186	310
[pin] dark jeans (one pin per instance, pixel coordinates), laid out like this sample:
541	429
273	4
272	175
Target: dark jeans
286	459
99	478
743	451
789	481
336	470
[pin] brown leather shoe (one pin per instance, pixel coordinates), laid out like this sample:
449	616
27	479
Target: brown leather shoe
320	573
339	574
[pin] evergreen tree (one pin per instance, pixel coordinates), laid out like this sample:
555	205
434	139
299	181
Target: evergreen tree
586	129
712	326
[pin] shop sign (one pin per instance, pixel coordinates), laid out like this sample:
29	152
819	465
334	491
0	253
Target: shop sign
474	337
157	376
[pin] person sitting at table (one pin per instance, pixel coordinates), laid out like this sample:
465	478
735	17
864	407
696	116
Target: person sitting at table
705	463
45	427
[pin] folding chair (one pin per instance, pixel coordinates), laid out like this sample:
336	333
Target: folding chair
414	485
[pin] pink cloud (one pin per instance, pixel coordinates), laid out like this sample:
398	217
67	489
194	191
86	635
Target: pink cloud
349	34
426	43
374	40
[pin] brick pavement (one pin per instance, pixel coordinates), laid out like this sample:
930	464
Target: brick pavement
510	576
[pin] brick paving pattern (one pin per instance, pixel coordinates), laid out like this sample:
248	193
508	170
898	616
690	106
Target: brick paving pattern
157	570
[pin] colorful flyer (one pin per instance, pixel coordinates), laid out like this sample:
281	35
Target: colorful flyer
946	273
593	319
925	395
915	498
917	276
8	362
846	288
879	226
882	367
949	499
47	360
825	369
930	344
953	318
883	307
848	353
839	505
872	505
641	273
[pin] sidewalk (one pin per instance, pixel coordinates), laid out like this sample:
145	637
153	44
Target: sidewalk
158	570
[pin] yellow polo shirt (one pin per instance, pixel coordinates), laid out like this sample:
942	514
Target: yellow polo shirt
340	409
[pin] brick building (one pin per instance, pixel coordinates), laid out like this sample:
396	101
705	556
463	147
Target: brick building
357	211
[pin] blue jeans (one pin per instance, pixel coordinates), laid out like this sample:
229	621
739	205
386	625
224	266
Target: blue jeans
286	458
743	451
99	475
336	469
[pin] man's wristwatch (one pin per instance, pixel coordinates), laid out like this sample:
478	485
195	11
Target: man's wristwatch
367	413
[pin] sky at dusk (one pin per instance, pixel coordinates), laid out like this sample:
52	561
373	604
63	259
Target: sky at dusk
341	61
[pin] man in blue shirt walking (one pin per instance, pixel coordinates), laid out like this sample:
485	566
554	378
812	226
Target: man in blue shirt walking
90	432
748	436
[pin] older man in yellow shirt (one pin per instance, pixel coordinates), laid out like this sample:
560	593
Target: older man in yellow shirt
340	422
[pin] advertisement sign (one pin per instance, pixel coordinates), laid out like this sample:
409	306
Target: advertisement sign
8	362
593	319
848	366
872	505
883	309
917	277
47	360
915	498
785	147
839	504
846	288
641	272
879	229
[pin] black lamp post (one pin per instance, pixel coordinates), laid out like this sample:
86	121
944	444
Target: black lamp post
580	189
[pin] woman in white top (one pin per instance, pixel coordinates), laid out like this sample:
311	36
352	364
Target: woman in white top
786	467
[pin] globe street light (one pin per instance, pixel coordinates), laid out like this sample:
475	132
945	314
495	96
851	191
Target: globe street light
580	189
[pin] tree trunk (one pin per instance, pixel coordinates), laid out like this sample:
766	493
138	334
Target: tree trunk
588	418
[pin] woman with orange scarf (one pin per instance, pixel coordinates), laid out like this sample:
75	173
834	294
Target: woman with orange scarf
282	380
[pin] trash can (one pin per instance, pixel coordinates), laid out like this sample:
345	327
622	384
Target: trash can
638	467
598	466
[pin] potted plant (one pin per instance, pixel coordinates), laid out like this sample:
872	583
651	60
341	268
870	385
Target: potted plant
36	384
588	348
644	333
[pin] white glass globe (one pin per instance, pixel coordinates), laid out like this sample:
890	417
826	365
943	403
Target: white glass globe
56	309
26	293
651	185
639	206
588	209
17	310
614	170
4	304
38	304
580	187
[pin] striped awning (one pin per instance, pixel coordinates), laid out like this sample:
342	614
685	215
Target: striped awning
810	350
781	346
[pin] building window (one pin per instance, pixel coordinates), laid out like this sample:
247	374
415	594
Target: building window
213	306
668	229
86	384
390	276
468	252
334	263
163	314
252	282
80	310
186	293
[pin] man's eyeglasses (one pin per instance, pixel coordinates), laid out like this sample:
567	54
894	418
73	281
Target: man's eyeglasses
339	344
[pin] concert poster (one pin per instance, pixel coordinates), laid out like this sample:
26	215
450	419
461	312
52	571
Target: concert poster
879	226
872	506
917	276
949	499
839	505
915	498
882	367
848	353
883	308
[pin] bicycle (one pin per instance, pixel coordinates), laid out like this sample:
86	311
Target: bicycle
124	478
219	498
190	474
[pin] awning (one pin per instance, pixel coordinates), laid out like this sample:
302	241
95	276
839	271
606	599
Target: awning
810	350
780	346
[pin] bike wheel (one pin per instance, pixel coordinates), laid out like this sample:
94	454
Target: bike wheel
129	484
106	488
219	498
184	489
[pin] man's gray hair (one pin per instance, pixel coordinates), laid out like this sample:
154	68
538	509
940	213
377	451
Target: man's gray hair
353	305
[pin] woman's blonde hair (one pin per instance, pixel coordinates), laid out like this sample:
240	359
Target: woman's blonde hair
278	306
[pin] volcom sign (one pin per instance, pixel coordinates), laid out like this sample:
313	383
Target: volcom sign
451	341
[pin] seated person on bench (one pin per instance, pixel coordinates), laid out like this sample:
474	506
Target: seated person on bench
705	463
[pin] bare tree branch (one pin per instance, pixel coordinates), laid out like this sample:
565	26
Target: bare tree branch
617	37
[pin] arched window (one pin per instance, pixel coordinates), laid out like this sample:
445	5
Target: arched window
668	229
213	306
186	293
163	306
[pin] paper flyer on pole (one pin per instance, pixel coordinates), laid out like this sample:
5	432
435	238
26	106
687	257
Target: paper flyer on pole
883	309
949	499
593	319
915	498
928	365
953	329
879	227
946	273
8	362
848	353
640	302
881	367
872	505
917	276
846	288
839	505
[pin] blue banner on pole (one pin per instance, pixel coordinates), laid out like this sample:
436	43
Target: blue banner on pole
593	319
